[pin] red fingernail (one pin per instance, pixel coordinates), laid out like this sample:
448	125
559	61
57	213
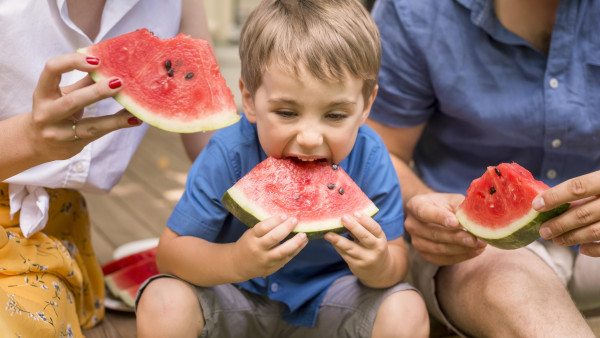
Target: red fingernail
133	121
116	83
92	61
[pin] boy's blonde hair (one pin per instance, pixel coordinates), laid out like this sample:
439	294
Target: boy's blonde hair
324	37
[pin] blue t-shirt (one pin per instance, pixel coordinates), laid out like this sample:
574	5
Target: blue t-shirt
487	95
302	283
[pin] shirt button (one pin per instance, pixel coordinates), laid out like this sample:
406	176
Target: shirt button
551	174
79	167
556	143
553	83
274	287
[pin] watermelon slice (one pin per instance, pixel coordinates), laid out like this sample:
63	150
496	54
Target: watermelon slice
121	280
119	264
316	193
497	207
173	84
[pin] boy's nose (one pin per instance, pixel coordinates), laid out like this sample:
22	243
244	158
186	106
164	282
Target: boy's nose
309	137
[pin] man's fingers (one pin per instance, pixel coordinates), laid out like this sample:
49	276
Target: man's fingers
575	218
568	191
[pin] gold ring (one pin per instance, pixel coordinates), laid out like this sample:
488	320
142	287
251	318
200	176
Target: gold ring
75	136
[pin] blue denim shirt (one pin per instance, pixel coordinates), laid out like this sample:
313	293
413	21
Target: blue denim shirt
302	283
487	95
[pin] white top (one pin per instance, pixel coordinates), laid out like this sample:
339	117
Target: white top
33	31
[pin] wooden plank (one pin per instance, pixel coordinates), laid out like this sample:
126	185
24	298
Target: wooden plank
115	325
102	246
115	221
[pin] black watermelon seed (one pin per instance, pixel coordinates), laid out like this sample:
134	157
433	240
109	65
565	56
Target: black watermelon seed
341	191
492	190
189	75
170	72
296	197
497	171
334	166
331	186
168	65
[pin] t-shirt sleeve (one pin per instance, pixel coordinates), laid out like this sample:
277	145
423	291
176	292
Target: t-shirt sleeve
374	173
200	212
405	97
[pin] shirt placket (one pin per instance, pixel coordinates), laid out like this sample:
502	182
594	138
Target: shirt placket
556	97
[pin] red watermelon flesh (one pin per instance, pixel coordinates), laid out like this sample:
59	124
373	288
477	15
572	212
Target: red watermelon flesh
497	207
118	264
316	193
173	84
131	275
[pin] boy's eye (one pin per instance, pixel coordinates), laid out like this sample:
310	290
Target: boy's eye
336	116
286	113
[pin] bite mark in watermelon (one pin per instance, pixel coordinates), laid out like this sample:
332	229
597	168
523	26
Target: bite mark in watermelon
174	84
316	193
121	281
497	207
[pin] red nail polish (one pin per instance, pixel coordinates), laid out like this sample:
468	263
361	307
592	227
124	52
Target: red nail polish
133	121
116	83
92	61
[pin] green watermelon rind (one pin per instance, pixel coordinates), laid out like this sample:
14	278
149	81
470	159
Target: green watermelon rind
519	234
216	120
250	214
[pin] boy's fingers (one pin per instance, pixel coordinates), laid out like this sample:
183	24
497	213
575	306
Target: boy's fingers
358	230
263	227
341	244
279	233
290	248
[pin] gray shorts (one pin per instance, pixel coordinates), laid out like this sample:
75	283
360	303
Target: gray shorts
348	310
579	273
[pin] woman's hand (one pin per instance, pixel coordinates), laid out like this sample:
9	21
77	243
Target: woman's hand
55	128
581	223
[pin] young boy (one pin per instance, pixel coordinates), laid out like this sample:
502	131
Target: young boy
309	77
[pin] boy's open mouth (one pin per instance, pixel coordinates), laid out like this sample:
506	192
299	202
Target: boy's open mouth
307	159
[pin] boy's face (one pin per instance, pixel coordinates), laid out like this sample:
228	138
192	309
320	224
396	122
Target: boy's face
306	118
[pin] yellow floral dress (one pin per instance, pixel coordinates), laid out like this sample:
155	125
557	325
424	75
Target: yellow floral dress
51	284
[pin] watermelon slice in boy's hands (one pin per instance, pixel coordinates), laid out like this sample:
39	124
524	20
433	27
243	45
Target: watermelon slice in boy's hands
173	84
316	193
497	207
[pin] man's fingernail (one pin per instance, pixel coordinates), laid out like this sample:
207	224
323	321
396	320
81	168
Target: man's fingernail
92	61
538	203
115	83
545	232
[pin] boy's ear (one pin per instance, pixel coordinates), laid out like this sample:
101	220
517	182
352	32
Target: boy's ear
247	102
369	104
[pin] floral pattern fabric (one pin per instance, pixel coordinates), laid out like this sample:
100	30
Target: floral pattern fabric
51	284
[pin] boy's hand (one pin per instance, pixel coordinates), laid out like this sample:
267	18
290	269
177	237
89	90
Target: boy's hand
258	252
368	255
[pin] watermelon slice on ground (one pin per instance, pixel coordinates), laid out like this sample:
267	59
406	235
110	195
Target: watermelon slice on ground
497	207
119	264
174	84
121	281
316	193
